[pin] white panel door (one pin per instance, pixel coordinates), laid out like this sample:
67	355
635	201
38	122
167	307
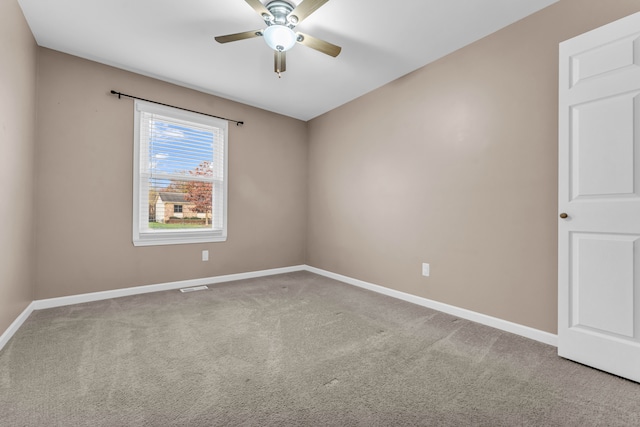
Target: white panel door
599	199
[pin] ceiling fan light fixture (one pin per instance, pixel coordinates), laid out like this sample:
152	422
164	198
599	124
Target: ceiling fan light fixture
281	17
280	37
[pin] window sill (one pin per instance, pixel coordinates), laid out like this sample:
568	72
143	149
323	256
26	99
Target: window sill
178	239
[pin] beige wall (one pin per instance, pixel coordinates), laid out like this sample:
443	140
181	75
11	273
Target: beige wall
84	160
454	165
17	109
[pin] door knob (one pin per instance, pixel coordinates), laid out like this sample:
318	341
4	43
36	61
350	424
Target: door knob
564	215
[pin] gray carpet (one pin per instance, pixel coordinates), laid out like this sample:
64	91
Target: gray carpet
291	350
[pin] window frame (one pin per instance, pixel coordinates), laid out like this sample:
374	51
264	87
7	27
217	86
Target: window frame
148	237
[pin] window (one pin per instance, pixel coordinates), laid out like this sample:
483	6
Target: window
180	160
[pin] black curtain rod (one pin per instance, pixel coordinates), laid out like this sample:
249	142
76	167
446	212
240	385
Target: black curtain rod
238	123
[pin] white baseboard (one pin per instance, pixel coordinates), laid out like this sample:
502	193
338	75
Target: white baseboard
13	328
116	293
494	322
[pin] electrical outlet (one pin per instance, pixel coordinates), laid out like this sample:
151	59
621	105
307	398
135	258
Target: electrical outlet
205	255
425	269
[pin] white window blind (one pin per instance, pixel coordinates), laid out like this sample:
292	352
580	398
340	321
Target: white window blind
180	176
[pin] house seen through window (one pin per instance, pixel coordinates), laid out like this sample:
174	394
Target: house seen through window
180	187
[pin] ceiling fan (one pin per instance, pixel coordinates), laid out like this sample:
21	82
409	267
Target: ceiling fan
281	17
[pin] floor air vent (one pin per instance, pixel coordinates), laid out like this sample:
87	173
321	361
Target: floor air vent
195	288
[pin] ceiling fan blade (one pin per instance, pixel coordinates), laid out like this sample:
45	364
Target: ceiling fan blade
319	45
261	9
304	9
279	62
239	36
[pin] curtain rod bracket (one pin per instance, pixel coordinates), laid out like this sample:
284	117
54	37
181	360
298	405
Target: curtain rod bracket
120	95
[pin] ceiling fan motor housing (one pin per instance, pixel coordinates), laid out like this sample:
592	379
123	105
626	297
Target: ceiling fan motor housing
280	9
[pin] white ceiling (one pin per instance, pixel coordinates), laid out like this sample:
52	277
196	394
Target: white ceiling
173	40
